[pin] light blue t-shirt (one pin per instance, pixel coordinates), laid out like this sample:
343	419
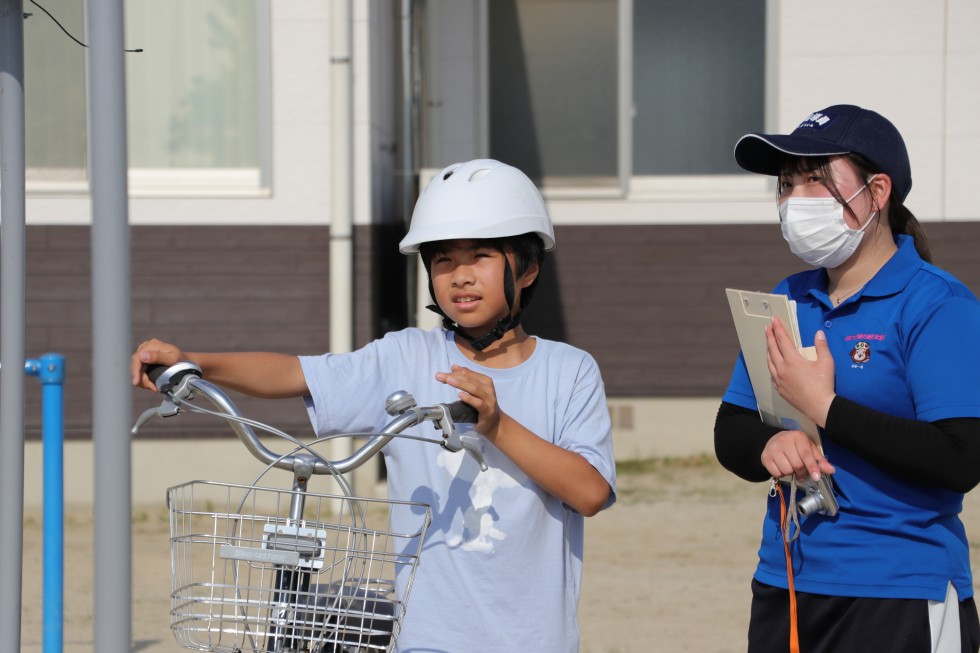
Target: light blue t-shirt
905	345
502	562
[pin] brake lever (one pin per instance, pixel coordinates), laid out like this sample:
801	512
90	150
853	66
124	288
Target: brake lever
174	383
453	441
147	415
166	409
469	443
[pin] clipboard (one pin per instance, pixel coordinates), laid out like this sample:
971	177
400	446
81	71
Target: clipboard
752	312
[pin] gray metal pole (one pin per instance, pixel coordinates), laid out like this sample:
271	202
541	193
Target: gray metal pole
12	301
407	173
111	411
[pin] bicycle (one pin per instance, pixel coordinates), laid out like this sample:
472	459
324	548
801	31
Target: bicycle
258	568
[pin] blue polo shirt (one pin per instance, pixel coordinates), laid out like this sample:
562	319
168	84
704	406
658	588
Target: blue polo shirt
905	345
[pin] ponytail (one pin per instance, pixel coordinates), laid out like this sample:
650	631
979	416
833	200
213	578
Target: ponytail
902	221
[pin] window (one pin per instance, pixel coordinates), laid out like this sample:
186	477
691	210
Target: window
555	67
54	94
698	83
195	96
553	88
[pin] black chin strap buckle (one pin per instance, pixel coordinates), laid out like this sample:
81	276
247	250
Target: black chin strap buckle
495	334
504	325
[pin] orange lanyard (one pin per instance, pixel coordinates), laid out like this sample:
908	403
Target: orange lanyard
794	635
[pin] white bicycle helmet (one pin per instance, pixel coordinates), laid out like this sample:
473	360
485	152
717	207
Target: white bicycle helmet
478	199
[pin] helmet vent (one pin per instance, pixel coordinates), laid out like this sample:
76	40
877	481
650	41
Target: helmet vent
479	174
450	171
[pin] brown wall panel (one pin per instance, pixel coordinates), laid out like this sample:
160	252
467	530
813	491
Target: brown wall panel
647	301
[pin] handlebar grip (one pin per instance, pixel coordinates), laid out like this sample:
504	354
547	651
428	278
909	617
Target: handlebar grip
461	412
167	378
154	370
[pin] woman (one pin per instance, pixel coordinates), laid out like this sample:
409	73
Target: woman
895	390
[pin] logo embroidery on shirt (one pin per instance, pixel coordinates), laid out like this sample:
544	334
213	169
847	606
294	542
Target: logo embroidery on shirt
861	353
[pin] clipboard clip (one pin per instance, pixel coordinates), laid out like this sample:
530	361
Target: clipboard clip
753	309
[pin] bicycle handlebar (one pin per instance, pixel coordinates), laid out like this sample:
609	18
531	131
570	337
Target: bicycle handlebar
180	382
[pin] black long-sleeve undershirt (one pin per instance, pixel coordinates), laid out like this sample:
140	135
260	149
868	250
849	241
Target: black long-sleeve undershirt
740	437
944	453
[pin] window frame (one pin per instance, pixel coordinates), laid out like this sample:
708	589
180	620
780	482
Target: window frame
189	182
751	192
295	180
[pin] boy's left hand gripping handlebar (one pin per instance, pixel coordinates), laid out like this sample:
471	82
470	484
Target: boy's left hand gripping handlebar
167	378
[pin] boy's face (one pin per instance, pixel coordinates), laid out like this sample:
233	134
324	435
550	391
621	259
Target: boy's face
468	281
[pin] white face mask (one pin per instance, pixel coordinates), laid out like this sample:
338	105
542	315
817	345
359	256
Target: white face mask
815	229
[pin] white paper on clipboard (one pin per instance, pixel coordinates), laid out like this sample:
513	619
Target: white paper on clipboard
752	312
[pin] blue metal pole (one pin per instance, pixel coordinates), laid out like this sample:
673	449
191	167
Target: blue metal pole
50	370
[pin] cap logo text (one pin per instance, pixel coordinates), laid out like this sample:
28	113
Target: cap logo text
814	120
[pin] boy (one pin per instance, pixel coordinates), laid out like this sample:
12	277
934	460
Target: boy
503	557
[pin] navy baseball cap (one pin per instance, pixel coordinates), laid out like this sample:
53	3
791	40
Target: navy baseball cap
840	129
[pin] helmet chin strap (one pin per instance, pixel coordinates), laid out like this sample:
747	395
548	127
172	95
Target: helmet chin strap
503	325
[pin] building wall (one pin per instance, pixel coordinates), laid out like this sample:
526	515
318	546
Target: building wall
637	280
204	289
914	62
647	301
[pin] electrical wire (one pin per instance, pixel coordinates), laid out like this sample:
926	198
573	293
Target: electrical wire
69	34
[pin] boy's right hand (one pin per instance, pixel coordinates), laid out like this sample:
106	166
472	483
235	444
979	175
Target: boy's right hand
152	352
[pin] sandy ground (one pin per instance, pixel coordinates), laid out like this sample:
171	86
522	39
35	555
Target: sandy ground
667	569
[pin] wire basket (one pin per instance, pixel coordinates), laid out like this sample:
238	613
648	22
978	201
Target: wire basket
249	577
